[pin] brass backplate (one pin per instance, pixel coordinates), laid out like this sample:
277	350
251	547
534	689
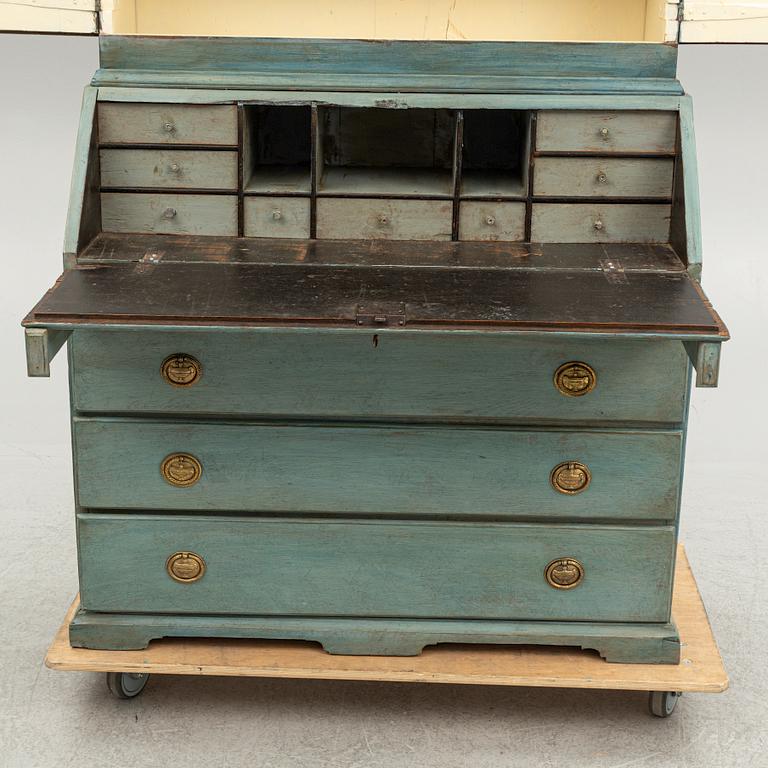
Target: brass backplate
181	469
570	477
181	370
185	567
564	573
575	379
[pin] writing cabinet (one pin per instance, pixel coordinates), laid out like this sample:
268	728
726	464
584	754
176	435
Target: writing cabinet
399	355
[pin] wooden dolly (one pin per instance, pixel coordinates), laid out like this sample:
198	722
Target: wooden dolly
701	667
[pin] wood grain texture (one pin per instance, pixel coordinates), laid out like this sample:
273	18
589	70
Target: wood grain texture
169	213
167	124
371	219
245	295
600	223
402	470
491	221
257	566
174	168
603	177
281	217
701	668
626	132
378	376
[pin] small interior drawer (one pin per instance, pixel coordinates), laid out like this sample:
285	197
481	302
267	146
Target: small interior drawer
600	223
126	123
603	177
625	131
492	221
276	217
168	213
332	567
384	219
169	168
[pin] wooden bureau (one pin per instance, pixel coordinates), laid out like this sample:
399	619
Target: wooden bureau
377	360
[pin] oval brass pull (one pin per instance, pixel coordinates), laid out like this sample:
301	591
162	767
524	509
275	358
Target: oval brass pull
570	477
181	470
564	573
575	379
185	567
181	370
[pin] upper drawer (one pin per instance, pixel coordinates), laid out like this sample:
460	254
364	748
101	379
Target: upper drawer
374	568
123	123
630	132
600	223
407	470
169	214
603	177
377	376
383	219
170	168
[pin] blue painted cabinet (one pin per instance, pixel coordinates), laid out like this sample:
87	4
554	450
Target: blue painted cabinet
381	369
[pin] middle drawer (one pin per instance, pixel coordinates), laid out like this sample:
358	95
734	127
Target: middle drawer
423	471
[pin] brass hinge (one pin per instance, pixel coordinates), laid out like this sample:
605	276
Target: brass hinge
378	316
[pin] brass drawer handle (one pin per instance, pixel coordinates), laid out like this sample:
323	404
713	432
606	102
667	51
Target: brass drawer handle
181	370
570	477
181	470
575	379
185	567
564	573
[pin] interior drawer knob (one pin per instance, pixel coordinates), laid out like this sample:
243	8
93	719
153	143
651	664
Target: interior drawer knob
570	477
564	573
185	567
181	470
605	134
169	213
277	214
383	219
599	225
169	127
490	220
575	379
181	370
174	168
601	178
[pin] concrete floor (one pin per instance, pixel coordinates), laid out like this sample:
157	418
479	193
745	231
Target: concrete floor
60	719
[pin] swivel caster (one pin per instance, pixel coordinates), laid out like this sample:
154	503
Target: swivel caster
126	685
663	703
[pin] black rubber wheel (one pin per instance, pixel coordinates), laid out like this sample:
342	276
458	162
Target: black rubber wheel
663	703
126	685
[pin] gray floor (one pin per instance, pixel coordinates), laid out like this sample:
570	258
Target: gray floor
60	719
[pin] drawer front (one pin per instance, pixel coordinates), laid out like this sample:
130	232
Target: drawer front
122	123
375	470
175	168
373	568
586	131
373	219
384	376
276	217
603	177
600	223
492	221
169	214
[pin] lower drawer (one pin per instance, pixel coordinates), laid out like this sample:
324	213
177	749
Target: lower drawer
373	568
382	219
169	214
359	469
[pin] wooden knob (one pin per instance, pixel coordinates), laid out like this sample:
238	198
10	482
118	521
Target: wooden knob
174	168
169	213
169	127
599	225
277	215
575	379
601	178
604	133
181	370
181	470
564	573
383	219
185	567
490	220
570	477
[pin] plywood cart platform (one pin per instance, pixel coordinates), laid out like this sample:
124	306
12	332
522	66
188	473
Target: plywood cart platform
701	668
